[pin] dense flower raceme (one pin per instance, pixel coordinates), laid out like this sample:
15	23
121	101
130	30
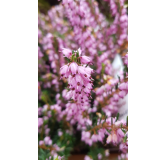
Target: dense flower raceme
80	83
79	76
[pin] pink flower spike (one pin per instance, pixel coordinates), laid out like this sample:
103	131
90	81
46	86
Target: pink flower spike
73	68
85	59
66	52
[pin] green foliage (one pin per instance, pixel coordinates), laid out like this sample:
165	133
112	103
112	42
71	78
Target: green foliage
43	154
66	142
77	54
45	96
99	53
124	139
125	68
103	68
68	60
43	6
94	151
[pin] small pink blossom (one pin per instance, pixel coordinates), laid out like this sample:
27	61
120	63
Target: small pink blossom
66	52
63	70
41	143
99	156
73	68
85	59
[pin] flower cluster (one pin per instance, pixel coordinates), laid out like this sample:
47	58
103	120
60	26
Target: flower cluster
80	84
79	76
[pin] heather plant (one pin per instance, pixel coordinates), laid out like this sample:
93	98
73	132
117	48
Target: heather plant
78	91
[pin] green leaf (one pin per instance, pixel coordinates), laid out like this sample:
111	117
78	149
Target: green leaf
124	74
117	117
72	57
127	121
116	86
125	68
123	130
68	60
99	53
103	68
77	54
75	59
109	131
125	138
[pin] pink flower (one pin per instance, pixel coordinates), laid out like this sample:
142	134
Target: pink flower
123	147
73	68
122	86
47	131
85	59
120	133
88	70
109	138
107	153
99	156
122	94
60	133
87	158
66	52
112	138
116	97
81	70
47	140
64	70
94	138
40	122
50	142
78	79
41	143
